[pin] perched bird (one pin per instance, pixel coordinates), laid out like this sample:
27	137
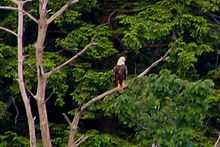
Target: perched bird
120	72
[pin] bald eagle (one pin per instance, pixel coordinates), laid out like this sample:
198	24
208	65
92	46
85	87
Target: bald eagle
120	73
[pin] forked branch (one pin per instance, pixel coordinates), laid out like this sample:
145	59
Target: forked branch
61	10
16	9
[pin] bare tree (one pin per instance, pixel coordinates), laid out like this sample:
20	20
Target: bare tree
20	58
43	23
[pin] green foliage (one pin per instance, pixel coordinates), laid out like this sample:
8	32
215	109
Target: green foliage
97	139
78	39
90	84
208	5
185	55
151	24
61	135
159	108
11	139
68	18
165	108
7	61
3	109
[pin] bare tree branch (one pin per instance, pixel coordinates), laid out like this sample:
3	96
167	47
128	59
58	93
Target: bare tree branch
61	11
217	142
16	109
80	140
49	96
67	119
99	97
70	60
26	1
110	16
8	30
25	12
154	64
30	92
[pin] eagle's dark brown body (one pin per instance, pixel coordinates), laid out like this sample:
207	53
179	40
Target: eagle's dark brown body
120	74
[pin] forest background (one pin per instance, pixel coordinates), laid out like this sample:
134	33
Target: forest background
176	104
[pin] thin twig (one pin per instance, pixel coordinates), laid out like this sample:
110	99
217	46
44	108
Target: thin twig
26	1
110	16
81	137
67	119
61	10
16	109
30	92
217	142
25	12
154	64
8	30
49	96
81	140
70	60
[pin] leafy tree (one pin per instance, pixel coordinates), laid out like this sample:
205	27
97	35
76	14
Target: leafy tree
142	31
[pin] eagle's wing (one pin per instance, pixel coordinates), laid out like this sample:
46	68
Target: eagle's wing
114	72
126	72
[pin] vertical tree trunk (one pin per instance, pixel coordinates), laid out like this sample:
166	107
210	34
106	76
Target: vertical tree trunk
25	99
42	110
42	79
73	129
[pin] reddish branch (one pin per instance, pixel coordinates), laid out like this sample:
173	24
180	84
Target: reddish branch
74	123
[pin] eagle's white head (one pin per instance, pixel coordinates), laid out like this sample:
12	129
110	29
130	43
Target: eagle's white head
121	61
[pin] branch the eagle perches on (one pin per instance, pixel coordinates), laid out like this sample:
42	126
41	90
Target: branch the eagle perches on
74	124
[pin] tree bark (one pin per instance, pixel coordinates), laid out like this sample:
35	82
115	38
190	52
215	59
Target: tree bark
42	80
73	129
25	99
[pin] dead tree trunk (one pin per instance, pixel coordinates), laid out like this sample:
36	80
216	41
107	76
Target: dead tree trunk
42	80
21	77
43	23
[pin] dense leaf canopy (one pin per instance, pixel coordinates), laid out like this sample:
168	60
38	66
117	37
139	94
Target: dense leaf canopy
176	105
